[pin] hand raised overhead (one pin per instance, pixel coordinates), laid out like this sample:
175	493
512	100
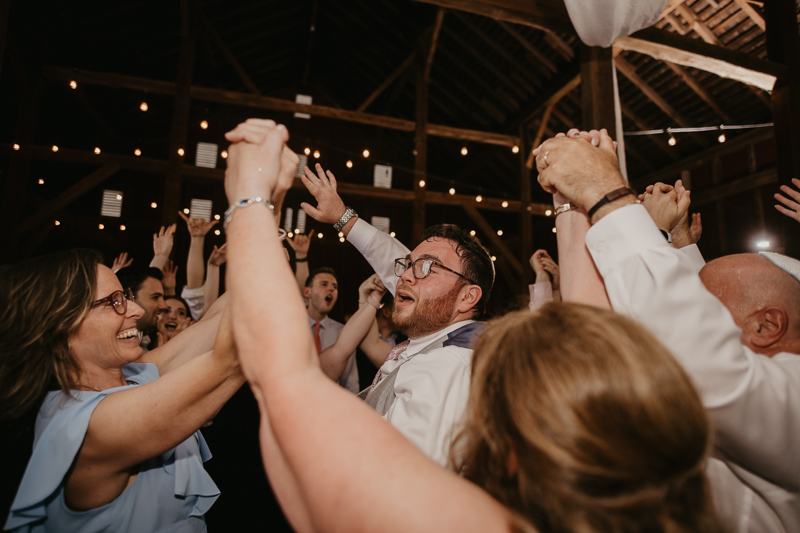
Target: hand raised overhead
330	206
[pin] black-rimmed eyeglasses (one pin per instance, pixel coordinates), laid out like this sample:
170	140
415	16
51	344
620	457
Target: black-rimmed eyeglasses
118	300
422	267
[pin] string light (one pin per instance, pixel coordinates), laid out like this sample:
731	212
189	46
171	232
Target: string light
452	191
180	151
55	148
204	125
341	239
504	204
554	229
97	150
216	217
319	235
122	227
307	151
365	153
349	164
58	223
143	106
216	232
16	147
341	234
119	197
185	210
494	258
672	141
392	234
41	181
290	234
499	233
73	84
153	205
721	138
421	183
316	154
464	151
479	198
137	152
472	233
515	149
224	154
548	213
101	226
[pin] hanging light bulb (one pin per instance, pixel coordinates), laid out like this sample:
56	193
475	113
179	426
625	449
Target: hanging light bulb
153	205
672	141
548	212
499	233
216	232
58	223
392	234
479	198
224	154
137	152
515	149
365	153
721	138
494	258
185	210
143	106
204	125
122	227
216	217
307	151
101	226
41	181
16	146
73	84
421	183
472	233
554	230
452	191
97	150
55	148
180	151
504	204
464	151
319	235
316	154
349	164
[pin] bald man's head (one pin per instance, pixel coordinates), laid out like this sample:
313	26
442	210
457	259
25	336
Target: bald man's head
763	299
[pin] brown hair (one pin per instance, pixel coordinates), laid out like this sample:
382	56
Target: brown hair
580	420
46	299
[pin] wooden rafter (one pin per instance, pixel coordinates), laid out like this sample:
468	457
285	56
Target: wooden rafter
543	59
386	83
437	27
747	183
275	104
548	15
491	234
752	13
699	90
64	199
697	25
228	55
540	132
568	84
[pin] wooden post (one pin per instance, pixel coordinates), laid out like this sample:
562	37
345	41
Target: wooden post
597	89
180	114
783	46
5	5
525	220
421	141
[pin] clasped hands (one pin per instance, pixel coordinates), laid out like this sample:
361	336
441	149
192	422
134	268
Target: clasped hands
371	291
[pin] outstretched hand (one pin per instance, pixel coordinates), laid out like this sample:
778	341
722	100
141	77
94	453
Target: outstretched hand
371	290
121	262
792	209
330	206
218	255
536	265
300	243
258	160
572	166
162	241
197	226
168	279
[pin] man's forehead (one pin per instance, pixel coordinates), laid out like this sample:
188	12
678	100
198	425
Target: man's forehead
151	285
436	248
324	277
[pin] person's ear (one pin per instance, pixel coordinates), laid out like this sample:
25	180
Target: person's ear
470	298
306	292
768	327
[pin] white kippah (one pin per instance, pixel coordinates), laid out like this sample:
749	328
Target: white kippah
785	263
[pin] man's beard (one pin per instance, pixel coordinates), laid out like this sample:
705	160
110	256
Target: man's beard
428	316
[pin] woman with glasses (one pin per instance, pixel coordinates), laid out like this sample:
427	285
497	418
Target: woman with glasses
578	420
116	443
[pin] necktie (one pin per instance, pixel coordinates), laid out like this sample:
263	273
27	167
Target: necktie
317	340
394	355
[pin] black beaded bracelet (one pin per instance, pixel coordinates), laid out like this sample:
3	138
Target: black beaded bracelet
610	197
303	260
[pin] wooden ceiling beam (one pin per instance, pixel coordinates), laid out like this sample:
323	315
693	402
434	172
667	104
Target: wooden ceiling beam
275	104
437	27
386	83
699	90
491	233
688	52
568	84
747	183
754	15
548	15
228	55
529	47
697	25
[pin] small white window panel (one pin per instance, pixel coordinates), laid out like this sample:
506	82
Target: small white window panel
112	204
287	220
206	155
301	165
201	209
383	176
301	221
302	99
381	223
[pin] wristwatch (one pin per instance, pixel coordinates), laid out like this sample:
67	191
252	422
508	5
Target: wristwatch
348	214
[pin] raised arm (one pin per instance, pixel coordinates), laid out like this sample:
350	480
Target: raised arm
133	425
308	421
198	228
379	249
300	244
162	246
333	359
211	286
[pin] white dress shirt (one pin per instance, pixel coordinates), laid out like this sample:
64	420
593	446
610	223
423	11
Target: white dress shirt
328	334
753	400
431	389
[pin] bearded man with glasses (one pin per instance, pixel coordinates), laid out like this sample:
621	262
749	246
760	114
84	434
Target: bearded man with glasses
440	289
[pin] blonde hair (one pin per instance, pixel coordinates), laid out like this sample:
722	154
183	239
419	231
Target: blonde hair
580	420
46	299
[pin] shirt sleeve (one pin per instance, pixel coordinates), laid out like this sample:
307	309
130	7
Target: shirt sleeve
379	249
541	293
432	391
692	253
194	297
752	399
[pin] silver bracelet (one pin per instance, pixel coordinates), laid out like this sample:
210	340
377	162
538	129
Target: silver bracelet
348	214
244	202
372	304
